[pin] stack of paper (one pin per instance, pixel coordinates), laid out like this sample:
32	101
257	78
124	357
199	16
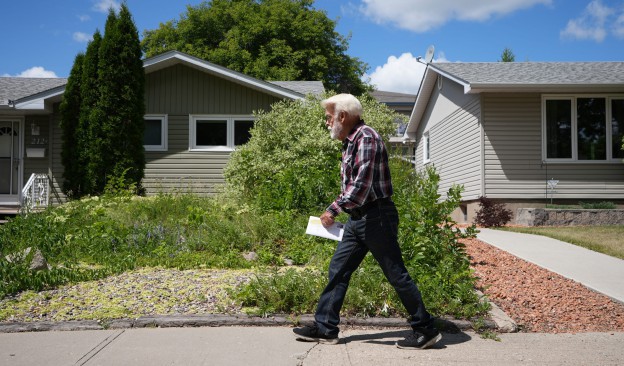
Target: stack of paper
316	228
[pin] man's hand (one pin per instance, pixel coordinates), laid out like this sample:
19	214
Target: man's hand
327	219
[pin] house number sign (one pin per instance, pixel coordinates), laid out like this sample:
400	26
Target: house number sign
38	140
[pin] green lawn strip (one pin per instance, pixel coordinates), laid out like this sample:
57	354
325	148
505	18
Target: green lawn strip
602	239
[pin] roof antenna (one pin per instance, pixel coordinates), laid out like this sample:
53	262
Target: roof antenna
429	54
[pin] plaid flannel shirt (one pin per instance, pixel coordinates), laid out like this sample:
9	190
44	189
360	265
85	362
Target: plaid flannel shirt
364	171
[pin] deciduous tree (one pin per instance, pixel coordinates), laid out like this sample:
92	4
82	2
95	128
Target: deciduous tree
266	39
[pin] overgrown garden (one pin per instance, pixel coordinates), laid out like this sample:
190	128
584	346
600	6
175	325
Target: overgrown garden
288	171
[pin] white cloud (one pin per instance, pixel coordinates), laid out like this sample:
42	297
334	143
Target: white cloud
400	75
591	24
618	27
423	15
36	72
81	37
83	17
103	6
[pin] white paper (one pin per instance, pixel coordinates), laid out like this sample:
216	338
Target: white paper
316	228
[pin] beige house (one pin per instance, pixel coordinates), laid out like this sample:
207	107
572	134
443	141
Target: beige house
196	114
522	132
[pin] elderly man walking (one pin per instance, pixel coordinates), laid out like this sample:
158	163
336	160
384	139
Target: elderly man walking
372	226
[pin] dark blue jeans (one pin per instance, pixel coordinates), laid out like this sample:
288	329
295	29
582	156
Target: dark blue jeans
375	230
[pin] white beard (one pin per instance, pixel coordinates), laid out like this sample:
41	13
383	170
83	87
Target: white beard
335	131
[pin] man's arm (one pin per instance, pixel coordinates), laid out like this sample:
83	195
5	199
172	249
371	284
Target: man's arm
361	180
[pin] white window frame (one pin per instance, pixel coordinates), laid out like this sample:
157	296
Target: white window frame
164	127
426	148
573	98
231	119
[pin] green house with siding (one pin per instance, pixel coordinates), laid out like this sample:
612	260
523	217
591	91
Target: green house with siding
505	130
196	114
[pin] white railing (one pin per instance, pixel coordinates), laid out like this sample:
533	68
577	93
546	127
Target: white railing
36	192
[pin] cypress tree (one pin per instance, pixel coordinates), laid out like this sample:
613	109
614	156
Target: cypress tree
70	116
121	106
87	132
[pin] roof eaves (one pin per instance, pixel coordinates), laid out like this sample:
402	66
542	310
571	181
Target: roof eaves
465	83
541	87
172	57
37	101
422	99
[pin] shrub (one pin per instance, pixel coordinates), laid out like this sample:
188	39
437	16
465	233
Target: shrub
605	205
431	250
290	162
492	214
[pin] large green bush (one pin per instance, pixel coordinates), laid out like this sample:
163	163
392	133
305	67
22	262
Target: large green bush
291	162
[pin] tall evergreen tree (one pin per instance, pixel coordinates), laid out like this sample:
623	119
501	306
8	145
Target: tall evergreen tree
70	117
88	132
507	55
121	106
103	110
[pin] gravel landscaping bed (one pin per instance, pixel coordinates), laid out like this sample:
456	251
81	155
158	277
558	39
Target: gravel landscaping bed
536	299
539	300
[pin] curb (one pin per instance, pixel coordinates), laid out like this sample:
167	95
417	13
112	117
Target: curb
218	320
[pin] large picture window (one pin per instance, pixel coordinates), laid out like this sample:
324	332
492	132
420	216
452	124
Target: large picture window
617	128
576	129
218	133
155	133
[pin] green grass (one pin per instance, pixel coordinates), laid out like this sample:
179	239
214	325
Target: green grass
604	239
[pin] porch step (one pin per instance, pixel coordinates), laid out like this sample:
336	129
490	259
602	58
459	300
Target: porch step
7	212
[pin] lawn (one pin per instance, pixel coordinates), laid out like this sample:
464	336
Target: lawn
604	239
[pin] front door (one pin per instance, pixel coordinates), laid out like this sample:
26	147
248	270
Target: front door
10	160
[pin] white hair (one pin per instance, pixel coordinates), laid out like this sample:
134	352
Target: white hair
344	103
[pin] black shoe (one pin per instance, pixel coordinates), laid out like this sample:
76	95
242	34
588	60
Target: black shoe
312	334
420	338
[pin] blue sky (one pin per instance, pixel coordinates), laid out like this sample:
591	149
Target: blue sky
42	37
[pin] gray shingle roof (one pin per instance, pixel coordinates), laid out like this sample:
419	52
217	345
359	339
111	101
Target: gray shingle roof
536	73
14	88
302	87
393	97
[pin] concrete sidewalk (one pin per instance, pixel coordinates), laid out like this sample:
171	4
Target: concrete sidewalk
596	271
276	346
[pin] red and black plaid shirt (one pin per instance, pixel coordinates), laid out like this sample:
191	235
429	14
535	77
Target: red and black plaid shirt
364	172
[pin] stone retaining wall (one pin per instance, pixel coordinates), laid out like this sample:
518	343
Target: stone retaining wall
568	217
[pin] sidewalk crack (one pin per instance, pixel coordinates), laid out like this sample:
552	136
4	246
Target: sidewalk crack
100	346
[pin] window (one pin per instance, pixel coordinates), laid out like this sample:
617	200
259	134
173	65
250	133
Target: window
576	129
155	133
426	143
617	128
218	133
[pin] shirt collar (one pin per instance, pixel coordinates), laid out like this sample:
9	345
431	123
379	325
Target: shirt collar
354	131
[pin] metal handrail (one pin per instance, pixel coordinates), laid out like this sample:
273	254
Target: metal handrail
36	192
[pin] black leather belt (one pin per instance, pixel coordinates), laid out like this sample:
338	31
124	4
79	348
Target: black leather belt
358	212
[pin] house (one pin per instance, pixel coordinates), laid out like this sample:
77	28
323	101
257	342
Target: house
522	133
401	103
196	114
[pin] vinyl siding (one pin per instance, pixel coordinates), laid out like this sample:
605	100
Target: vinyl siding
456	150
513	157
180	91
454	143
